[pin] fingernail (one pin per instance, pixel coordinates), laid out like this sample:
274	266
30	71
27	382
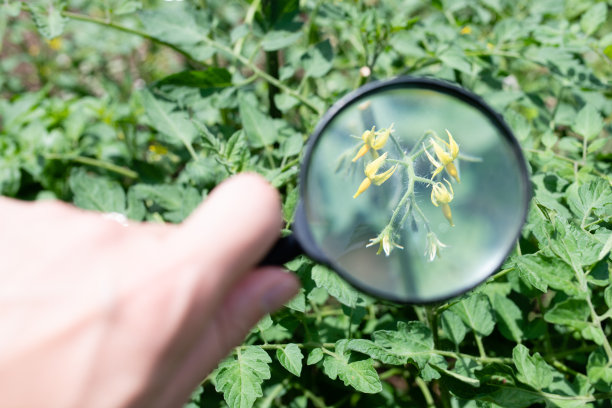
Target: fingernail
279	294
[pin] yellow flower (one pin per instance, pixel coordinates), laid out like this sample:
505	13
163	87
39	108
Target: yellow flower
373	140
441	196
445	158
372	176
385	239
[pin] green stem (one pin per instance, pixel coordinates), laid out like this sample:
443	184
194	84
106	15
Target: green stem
95	163
480	345
228	51
425	391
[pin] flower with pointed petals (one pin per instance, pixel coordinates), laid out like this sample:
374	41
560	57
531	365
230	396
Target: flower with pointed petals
441	196
372	176
445	157
385	241
373	140
433	246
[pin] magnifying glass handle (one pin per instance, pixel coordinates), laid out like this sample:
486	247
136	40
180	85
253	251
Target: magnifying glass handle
283	251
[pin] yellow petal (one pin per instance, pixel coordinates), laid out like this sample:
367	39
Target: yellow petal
373	166
382	177
368	136
453	146
364	149
446	210
452	170
380	141
443	156
363	186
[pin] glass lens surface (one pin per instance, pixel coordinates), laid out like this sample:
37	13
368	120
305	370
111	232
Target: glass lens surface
414	194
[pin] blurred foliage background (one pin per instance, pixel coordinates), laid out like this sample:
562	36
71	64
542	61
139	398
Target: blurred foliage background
142	107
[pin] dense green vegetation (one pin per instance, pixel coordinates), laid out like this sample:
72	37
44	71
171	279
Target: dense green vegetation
143	107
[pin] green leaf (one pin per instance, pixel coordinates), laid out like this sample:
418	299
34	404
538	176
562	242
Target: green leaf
588	122
315	356
291	357
456	59
599	371
174	124
10	177
278	39
594	197
264	324
594	18
47	15
412	342
541	272
574	246
509	317
96	193
571	312
360	375
177	201
175	24
298	303
476	313
259	128
532	370
239	378
335	285
608	296
453	327
211	78
318	61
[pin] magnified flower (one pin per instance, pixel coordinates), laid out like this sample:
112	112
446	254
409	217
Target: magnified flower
385	239
372	176
441	196
432	246
445	157
374	140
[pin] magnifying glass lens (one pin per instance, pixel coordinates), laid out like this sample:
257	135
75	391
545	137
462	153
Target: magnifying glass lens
414	194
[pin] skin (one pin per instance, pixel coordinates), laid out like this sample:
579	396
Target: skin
96	314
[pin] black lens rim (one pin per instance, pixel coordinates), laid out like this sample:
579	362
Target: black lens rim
300	226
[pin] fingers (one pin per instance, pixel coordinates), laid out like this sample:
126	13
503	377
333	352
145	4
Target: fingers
262	291
232	231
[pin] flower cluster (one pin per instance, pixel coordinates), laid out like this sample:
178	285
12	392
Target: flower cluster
441	154
440	195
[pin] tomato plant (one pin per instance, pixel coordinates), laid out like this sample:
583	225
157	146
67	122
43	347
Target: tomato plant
142	107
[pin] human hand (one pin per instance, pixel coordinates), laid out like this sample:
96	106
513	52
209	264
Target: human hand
95	314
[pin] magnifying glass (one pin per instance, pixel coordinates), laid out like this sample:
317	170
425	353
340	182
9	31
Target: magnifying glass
413	190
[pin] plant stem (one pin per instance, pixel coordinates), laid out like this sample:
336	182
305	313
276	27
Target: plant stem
425	391
230	52
480	346
95	163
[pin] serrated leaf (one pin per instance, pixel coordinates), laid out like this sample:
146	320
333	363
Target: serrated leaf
594	198
174	124
412	342
476	313
96	193
574	246
314	356
264	324
588	122
532	370
291	357
594	18
571	312
259	128
239	378
541	272
599	371
47	15
452	326
335	285
176	25
360	375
